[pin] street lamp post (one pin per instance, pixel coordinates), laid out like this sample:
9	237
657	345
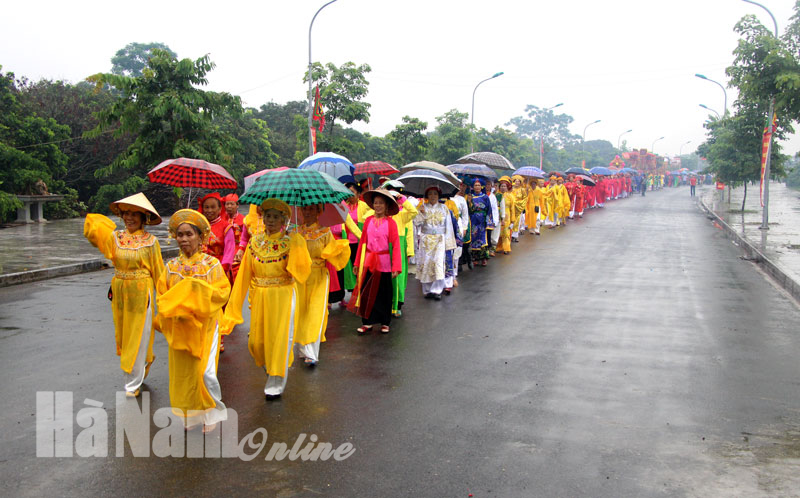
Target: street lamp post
541	138
652	147
310	95
620	137
472	118
583	152
765	210
680	150
725	92
709	109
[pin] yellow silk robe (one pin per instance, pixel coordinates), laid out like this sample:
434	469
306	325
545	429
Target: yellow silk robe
551	202
565	203
535	199
270	267
520	197
510	220
137	260
312	295
191	293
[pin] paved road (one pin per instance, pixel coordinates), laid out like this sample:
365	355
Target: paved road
631	354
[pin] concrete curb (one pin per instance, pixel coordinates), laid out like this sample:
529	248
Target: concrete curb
24	277
770	267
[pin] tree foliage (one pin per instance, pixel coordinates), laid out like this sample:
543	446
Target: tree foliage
408	140
29	149
132	59
169	116
451	139
545	123
342	91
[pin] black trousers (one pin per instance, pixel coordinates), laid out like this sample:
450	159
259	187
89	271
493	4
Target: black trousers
381	312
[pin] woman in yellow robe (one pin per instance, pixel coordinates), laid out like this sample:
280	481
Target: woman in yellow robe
552	203
312	301
510	217
136	256
535	208
520	218
191	292
271	266
565	203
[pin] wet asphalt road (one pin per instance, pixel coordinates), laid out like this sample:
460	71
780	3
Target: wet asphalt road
632	353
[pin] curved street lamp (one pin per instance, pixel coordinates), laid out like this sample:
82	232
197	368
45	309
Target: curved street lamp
709	109
652	147
765	195
310	96
583	153
620	137
541	138
703	77
472	114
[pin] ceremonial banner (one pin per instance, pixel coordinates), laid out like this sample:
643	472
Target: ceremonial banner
764	154
319	115
541	153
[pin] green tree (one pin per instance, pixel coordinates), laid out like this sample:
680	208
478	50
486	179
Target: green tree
28	148
132	59
283	130
342	91
451	139
520	151
734	150
544	123
74	106
409	141
169	116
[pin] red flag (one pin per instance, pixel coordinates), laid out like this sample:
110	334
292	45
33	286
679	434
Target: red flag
319	115
770	128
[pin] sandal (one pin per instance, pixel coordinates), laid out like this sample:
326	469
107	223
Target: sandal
210	428
133	394
384	329
364	329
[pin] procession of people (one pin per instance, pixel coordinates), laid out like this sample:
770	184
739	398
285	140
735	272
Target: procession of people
291	268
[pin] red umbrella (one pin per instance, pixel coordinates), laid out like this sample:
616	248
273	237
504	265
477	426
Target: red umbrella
184	172
250	179
375	168
193	173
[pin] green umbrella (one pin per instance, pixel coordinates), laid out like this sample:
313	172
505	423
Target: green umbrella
297	187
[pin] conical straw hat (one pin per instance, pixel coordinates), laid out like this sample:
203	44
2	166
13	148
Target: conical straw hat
138	201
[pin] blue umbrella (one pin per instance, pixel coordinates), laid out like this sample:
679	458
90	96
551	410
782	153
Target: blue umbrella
530	172
472	169
600	170
628	170
327	162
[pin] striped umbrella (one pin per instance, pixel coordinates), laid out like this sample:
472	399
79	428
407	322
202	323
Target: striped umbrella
530	172
327	162
297	187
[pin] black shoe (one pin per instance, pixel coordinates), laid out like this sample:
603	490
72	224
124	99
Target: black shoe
437	297
428	295
272	397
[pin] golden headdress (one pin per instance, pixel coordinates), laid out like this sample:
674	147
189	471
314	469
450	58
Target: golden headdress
191	217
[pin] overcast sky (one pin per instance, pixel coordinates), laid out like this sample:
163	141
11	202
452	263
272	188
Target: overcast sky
629	63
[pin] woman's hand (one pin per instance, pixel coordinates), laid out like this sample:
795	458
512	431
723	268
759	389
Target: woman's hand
395	274
237	258
355	270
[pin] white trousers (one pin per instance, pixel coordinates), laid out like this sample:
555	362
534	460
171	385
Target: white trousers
135	379
435	287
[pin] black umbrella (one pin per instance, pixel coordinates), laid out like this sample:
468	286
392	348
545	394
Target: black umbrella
417	181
